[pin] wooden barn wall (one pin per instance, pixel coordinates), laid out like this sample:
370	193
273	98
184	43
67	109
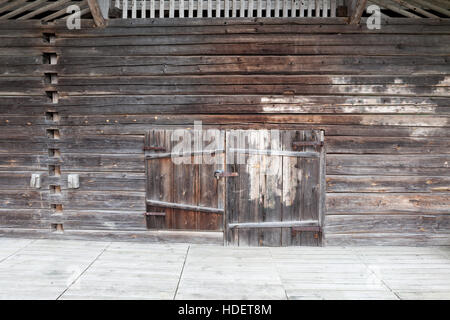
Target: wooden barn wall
382	97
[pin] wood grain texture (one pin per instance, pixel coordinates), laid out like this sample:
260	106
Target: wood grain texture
271	188
381	96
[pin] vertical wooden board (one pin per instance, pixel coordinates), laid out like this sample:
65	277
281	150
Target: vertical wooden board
259	9
159	179
333	7
185	188
272	191
181	9
250	9
218	9
294	8
134	9
317	8
231	207
292	179
322	183
152	9
211	190
171	8
227	8
209	9
161	8
244	191
167	178
234	193
254	169
268	8
199	8
242	9
325	8
310	8
310	188
143	9
302	8
260	164
125	9
191	9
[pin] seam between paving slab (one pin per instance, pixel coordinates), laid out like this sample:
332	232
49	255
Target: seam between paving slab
84	271
181	273
274	263
18	250
372	272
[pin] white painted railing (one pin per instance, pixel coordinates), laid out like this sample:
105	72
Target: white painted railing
226	8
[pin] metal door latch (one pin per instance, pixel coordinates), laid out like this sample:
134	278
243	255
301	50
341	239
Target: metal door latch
220	173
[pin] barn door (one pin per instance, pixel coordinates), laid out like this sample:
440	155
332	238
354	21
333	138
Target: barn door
276	196
183	191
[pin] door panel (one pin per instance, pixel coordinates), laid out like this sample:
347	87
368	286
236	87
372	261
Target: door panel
271	186
276	198
159	180
182	194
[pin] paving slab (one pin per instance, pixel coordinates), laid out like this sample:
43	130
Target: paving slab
132	271
230	273
45	268
73	270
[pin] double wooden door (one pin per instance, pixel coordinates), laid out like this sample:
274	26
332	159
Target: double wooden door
260	187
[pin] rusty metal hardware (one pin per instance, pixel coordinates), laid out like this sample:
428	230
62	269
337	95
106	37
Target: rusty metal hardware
307	228
317	230
220	174
154	148
298	144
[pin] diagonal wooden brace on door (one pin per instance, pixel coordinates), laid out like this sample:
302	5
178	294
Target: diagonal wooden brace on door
298	144
188	207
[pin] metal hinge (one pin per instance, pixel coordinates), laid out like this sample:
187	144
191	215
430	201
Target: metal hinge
220	174
317	230
298	144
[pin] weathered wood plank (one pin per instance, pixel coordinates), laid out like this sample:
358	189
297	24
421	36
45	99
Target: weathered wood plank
249	49
389	203
134	236
392	239
380	165
354	224
387	183
381	96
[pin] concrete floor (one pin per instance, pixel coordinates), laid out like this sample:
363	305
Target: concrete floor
63	269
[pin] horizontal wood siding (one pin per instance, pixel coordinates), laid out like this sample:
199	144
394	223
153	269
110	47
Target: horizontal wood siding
382	97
